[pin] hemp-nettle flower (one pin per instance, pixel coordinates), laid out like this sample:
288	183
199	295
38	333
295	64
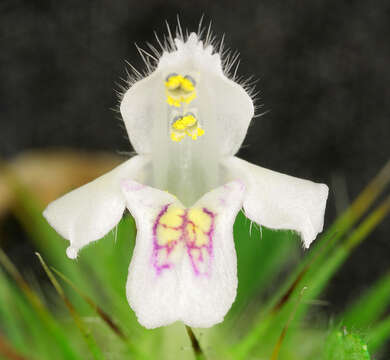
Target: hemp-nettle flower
186	119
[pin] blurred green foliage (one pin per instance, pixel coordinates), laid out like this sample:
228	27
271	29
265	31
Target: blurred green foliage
341	345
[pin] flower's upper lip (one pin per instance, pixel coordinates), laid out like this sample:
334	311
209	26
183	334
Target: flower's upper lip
192	54
232	108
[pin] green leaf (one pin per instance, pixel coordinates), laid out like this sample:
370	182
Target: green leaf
342	345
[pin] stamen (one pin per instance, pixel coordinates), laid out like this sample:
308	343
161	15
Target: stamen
188	84
180	89
173	81
186	125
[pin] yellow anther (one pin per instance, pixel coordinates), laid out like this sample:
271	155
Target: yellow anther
173	82
192	135
184	122
176	137
179	125
189	98
173	102
179	90
189	120
187	85
186	125
177	101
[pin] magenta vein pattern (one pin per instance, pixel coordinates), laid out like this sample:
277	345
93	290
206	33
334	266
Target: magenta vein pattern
177	231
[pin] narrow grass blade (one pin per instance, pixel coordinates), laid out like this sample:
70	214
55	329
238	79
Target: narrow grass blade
369	224
90	341
103	315
21	324
322	272
368	308
379	335
271	310
348	219
275	353
7	313
285	297
363	201
63	344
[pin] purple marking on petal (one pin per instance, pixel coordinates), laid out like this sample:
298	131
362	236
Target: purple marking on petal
156	246
193	249
222	201
132	186
195	252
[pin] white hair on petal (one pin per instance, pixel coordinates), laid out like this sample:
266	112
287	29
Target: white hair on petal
151	56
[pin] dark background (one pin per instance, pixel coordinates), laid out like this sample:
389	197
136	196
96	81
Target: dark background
323	70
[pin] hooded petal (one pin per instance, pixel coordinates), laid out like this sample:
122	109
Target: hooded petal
224	107
280	201
139	106
184	261
235	111
91	211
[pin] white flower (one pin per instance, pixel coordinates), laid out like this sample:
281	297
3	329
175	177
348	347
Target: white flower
186	119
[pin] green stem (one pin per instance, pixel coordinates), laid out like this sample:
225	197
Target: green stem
198	352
